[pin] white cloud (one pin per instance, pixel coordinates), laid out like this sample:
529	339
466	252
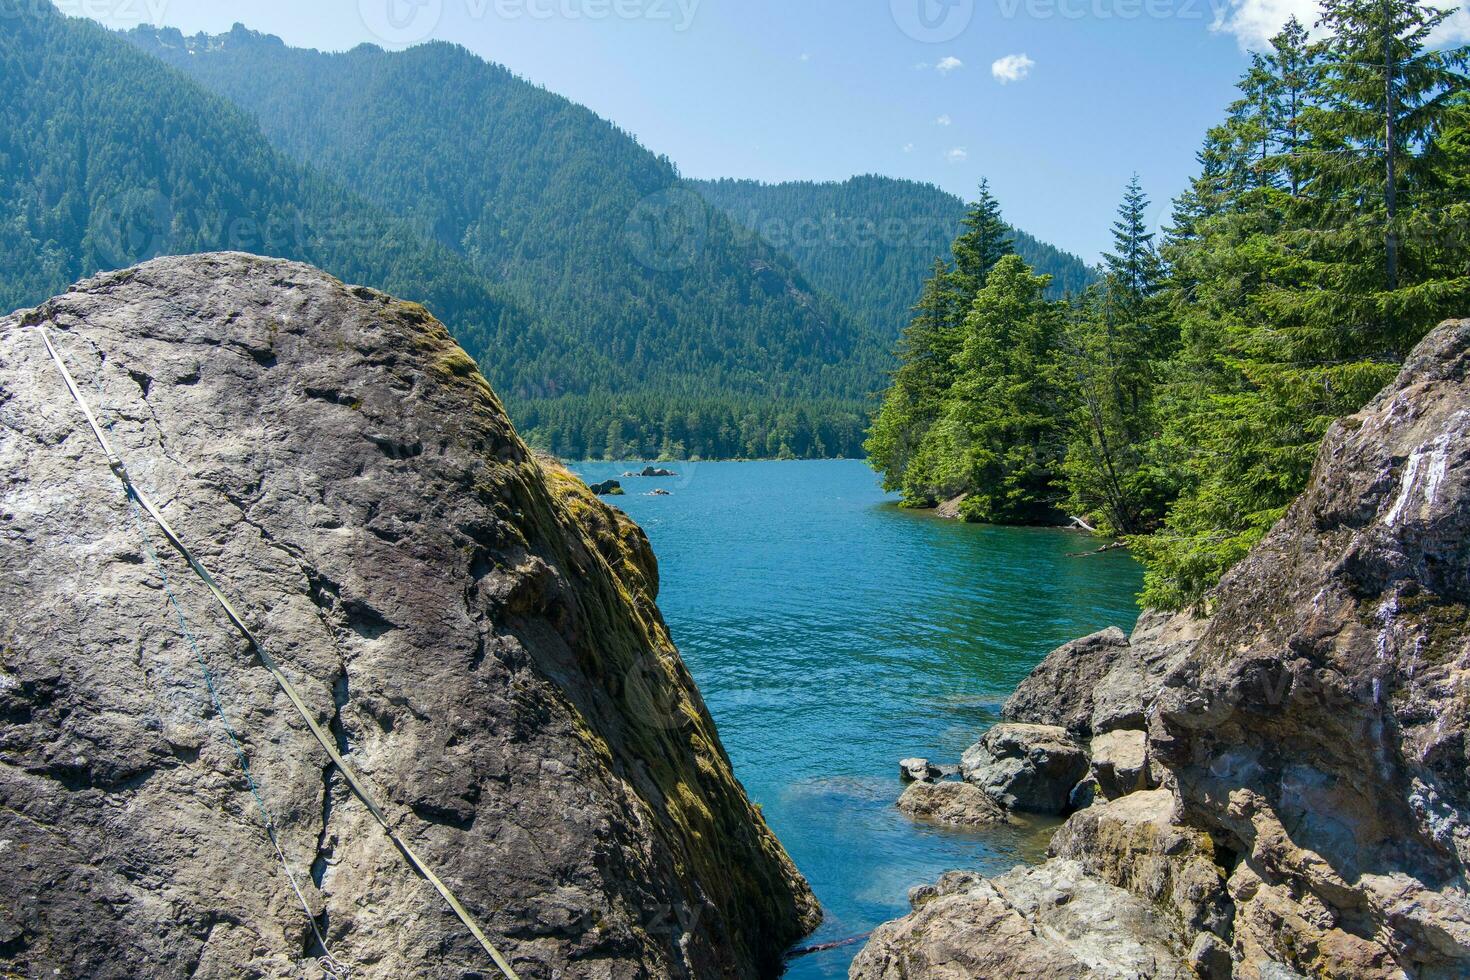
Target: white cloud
908	148
805	56
943	120
1011	68
948	64
921	66
1455	29
958	155
1255	22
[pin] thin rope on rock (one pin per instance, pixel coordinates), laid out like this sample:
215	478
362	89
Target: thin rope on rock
331	967
139	500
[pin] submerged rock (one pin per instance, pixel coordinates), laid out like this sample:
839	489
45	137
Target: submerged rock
474	628
1026	767
951	804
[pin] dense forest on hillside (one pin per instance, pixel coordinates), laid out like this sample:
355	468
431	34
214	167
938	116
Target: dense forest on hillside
604	426
870	241
570	214
1180	401
107	157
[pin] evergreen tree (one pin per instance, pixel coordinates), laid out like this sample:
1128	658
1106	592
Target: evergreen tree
926	371
999	438
1115	338
900	445
1385	95
1297	299
986	240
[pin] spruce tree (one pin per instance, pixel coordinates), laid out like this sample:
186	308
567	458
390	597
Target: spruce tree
926	370
984	242
1000	438
1114	339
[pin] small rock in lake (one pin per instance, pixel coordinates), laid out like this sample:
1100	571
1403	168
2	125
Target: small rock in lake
952	804
918	771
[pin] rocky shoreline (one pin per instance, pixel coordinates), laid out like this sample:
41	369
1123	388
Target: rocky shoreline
1277	789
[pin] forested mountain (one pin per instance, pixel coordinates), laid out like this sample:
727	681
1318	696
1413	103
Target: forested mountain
870	241
108	157
1180	402
577	220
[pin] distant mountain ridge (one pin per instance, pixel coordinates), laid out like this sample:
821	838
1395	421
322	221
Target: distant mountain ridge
579	222
107	157
870	241
614	308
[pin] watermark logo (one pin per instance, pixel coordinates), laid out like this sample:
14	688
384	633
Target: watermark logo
401	22
666	231
129	228
120	14
932	21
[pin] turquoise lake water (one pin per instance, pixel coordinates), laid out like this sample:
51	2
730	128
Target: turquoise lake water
833	634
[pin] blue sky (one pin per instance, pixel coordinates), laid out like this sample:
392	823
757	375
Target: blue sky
1057	102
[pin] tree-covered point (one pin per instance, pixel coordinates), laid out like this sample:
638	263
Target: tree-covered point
1182	400
566	212
870	241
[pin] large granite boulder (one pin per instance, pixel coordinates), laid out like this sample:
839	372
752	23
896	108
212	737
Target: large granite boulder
1105	681
1059	690
473	627
1026	767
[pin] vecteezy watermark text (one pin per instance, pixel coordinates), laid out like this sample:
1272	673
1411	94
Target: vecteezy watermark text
114	13
403	22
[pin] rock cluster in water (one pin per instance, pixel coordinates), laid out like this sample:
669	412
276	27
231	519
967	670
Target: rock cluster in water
476	631
1278	789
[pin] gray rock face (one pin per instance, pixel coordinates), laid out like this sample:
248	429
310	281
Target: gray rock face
1319	726
1136	843
475	629
951	804
1059	691
1026	767
1053	921
1126	693
1120	762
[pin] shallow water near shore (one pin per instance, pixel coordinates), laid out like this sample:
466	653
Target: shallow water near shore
833	634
